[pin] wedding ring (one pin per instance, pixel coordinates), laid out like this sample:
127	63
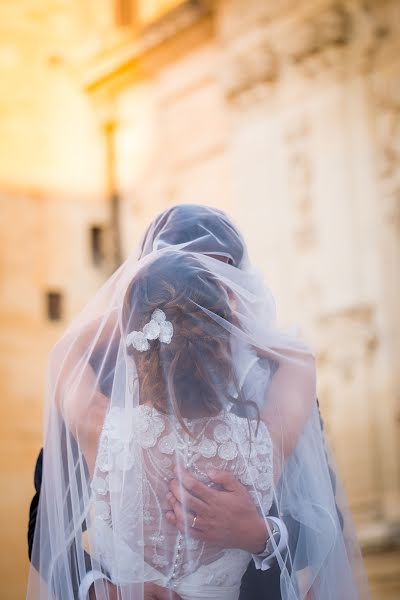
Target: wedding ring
194	520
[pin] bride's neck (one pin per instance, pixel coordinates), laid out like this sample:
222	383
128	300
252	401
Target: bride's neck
191	409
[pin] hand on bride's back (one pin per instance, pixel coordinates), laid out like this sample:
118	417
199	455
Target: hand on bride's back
226	517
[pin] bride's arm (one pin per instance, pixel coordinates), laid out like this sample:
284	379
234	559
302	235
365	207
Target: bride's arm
289	402
77	394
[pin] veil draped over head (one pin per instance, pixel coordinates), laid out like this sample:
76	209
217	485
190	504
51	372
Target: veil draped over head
178	364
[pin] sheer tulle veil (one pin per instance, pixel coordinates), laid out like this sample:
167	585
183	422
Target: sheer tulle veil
182	335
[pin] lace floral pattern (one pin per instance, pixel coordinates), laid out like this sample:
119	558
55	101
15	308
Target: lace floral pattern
136	459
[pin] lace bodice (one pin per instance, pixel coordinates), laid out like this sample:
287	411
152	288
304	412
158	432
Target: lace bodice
134	465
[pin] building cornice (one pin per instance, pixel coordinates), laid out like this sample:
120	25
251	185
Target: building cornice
138	58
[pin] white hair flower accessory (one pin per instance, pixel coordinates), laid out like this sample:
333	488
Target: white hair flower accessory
157	327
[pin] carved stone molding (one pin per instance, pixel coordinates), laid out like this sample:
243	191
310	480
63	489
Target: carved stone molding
378	32
335	40
252	65
236	17
331	28
355	325
386	93
385	96
118	67
297	138
321	36
348	342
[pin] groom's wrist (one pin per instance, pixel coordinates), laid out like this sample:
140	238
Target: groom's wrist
258	537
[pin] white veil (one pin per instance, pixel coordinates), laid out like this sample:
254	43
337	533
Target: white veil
177	362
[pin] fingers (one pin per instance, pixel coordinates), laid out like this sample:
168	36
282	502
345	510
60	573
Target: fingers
194	486
194	533
184	520
188	502
171	518
225	479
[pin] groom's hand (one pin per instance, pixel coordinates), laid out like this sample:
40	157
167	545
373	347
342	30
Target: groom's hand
227	517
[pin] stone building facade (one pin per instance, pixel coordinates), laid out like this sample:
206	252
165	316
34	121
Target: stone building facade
284	114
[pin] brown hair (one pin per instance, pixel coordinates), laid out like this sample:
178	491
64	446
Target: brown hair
194	374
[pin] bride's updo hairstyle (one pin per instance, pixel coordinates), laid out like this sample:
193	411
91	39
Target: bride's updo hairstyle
193	375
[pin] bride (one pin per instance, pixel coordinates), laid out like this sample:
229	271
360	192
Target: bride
175	372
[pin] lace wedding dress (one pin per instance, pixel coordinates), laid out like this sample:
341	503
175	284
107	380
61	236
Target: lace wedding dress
171	559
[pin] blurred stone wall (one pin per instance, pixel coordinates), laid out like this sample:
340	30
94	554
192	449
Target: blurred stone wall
284	114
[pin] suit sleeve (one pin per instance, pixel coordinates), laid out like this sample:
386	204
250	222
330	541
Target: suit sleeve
35	501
